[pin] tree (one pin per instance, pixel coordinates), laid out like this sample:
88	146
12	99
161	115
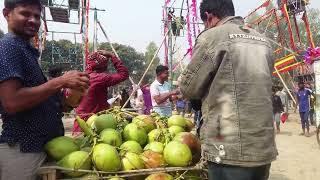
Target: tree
63	52
132	59
150	51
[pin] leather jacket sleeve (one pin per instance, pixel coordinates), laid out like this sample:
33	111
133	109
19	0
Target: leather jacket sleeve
199	73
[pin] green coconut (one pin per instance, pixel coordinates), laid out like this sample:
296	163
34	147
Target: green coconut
145	121
158	135
91	120
132	161
76	160
177	154
192	142
135	133
106	158
177	120
105	121
111	136
155	147
153	159
174	130
159	176
130	146
59	147
190	125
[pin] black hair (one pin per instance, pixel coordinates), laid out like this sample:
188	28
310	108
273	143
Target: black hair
219	8
55	71
274	89
301	83
11	4
160	69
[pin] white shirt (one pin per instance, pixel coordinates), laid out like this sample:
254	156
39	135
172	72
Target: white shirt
156	89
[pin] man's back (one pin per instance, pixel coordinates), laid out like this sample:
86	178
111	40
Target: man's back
232	76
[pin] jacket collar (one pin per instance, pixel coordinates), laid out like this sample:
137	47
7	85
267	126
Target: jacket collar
231	19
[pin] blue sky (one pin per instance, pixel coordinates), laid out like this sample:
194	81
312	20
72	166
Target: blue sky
138	22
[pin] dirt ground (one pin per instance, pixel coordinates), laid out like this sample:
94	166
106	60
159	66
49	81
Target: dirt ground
299	156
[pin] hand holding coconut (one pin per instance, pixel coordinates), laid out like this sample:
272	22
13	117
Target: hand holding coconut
76	84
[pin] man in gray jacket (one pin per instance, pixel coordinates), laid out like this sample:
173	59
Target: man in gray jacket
230	73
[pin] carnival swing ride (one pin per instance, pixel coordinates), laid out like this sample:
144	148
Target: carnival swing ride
279	23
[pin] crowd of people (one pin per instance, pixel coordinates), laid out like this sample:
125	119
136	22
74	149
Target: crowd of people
227	84
305	101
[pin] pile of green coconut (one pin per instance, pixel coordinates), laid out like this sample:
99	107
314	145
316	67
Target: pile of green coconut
111	144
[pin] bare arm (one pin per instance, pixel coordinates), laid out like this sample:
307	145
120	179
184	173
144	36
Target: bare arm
122	73
16	98
163	97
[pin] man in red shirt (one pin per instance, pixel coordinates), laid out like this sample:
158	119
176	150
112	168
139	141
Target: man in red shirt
97	96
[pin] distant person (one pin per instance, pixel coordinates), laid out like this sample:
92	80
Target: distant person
147	98
196	106
96	99
139	101
277	108
161	95
181	106
312	105
303	95
124	97
283	96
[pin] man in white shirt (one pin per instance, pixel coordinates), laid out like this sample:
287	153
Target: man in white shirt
284	98
160	92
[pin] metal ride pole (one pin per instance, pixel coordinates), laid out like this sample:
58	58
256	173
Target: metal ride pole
114	51
170	55
95	31
108	39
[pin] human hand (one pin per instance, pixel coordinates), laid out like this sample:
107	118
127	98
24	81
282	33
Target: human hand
175	92
75	80
105	53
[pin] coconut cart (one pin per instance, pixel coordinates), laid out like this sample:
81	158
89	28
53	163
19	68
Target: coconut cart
121	144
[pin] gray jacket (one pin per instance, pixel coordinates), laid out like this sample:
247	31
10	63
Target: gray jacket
230	72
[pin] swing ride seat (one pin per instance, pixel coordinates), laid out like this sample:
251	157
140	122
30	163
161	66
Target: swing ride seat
44	2
296	6
60	14
74	4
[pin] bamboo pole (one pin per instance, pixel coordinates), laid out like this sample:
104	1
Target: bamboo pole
145	73
285	86
113	49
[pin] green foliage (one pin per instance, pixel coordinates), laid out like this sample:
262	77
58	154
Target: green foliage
132	59
150	51
70	56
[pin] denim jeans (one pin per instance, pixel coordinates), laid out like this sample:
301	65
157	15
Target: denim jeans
227	172
198	121
304	119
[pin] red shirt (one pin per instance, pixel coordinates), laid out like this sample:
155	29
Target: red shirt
96	99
